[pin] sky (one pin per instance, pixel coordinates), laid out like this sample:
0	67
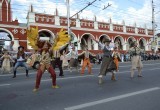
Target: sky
133	12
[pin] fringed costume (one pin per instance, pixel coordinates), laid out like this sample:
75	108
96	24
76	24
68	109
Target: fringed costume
86	60
108	64
116	58
135	53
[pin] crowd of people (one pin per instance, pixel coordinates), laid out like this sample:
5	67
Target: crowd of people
68	57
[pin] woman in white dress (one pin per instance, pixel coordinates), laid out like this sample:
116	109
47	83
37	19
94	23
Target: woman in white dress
64	59
6	64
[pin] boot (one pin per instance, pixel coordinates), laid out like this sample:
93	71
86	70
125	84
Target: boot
14	74
27	73
113	78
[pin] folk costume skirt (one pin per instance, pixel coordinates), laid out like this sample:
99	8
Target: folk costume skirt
108	65
136	62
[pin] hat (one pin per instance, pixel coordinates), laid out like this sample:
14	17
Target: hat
106	40
20	47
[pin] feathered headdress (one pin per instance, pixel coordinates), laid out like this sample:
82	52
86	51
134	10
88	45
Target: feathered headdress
32	37
61	39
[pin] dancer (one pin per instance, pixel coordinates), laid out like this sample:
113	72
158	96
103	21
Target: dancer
45	64
6	64
45	49
116	58
64	60
135	53
73	55
108	64
21	61
86	60
57	61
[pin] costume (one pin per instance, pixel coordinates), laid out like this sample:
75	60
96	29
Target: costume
6	64
57	61
45	64
116	58
73	55
21	61
108	64
135	53
64	60
86	61
32	59
45	48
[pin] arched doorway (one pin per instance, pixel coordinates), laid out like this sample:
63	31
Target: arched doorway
142	43
5	41
86	41
129	42
102	38
118	41
46	36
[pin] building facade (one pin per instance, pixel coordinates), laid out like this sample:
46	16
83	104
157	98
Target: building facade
82	30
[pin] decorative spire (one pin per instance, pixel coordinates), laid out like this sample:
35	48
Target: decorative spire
110	20
56	12
95	18
135	24
31	8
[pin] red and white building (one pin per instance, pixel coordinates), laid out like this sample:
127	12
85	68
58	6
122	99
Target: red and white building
82	29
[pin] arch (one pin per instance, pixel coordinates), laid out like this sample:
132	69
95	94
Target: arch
142	43
129	41
131	37
86	39
103	36
52	37
75	39
119	41
12	37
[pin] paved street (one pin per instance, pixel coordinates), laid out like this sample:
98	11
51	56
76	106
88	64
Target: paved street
78	92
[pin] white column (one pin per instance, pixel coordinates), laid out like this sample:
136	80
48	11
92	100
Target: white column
78	23
124	29
111	26
31	17
95	46
124	46
57	20
16	45
95	25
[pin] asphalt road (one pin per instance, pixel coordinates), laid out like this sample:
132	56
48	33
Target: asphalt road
79	92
